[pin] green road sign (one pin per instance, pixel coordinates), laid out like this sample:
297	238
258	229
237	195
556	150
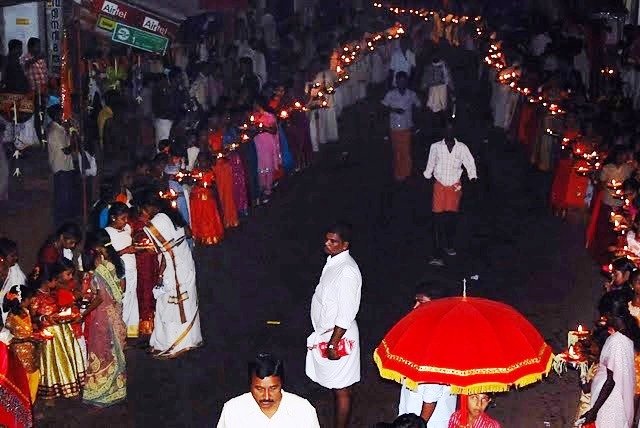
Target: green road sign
139	39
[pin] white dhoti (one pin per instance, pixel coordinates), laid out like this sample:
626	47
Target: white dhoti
324	126
334	374
335	302
437	100
162	128
130	310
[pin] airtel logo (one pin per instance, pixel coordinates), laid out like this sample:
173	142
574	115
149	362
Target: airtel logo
153	25
113	9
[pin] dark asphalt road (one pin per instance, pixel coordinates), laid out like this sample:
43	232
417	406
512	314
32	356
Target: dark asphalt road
268	269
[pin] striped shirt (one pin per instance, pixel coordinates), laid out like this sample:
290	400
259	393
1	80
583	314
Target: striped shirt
446	166
483	421
37	73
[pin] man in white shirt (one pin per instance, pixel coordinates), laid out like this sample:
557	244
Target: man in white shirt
402	59
333	357
267	404
433	403
400	102
446	159
61	163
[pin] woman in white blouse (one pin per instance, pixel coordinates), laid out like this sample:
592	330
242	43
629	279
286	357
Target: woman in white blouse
120	233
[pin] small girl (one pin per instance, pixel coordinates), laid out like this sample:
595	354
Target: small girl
238	171
62	364
476	416
206	226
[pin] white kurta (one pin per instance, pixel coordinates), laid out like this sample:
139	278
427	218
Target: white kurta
335	302
167	325
121	239
15	276
618	356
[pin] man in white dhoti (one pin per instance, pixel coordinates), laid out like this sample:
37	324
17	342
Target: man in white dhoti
333	357
267	404
433	403
437	84
177	320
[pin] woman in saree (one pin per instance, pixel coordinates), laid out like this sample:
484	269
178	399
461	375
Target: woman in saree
177	319
276	103
267	147
600	234
105	331
15	403
613	386
223	172
62	365
120	235
16	305
60	245
298	131
569	188
206	226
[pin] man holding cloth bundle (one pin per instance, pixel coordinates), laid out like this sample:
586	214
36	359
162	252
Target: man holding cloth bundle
333	357
446	158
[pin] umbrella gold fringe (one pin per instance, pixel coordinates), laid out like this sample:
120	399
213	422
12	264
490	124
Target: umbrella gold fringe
477	388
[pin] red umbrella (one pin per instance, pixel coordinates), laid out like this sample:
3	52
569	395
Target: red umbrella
473	344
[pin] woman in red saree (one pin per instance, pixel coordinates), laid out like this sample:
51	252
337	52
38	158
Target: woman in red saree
223	172
569	188
206	225
106	332
148	270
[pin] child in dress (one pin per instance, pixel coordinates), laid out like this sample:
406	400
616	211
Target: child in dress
238	171
23	345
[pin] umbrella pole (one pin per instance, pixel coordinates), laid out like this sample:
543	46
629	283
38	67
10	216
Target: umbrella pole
463	405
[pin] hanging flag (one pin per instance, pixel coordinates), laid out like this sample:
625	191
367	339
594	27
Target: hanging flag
66	86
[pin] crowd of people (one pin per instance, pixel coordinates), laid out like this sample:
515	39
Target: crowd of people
181	149
568	95
177	151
